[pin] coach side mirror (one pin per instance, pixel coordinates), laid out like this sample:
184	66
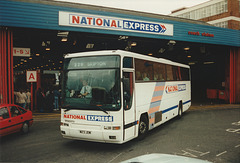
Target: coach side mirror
1	118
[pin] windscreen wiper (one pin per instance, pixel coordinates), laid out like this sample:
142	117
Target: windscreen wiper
70	109
94	105
102	109
67	109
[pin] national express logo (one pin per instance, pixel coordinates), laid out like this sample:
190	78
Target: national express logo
113	23
99	118
175	88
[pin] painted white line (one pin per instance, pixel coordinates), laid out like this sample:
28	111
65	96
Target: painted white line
193	150
221	153
236	123
201	153
188	154
204	153
237	146
115	157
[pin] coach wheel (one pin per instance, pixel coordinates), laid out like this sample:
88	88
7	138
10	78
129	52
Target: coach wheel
143	127
180	111
25	128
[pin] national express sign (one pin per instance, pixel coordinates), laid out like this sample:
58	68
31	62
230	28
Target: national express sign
113	23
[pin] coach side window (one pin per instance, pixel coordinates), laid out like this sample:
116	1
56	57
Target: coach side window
185	74
159	72
144	70
169	72
127	62
176	73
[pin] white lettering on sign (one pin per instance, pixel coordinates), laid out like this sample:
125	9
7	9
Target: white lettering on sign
99	118
21	52
92	64
31	76
114	23
175	88
181	87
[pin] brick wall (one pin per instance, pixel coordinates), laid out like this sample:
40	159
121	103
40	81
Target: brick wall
233	10
233	24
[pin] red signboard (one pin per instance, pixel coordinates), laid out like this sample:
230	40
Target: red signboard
21	52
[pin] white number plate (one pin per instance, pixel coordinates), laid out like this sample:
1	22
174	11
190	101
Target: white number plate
85	132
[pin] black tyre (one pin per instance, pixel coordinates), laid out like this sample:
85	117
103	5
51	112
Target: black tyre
180	110
25	128
143	127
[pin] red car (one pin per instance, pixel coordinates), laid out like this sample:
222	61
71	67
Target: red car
14	118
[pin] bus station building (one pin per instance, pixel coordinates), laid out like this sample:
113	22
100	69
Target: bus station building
35	35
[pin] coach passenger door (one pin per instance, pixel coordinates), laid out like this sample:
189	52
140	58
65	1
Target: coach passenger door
129	106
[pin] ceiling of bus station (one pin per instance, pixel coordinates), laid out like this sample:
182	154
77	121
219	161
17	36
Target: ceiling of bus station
208	62
48	48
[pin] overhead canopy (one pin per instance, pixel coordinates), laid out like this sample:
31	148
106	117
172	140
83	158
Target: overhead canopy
94	19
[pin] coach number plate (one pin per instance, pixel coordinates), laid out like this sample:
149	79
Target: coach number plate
85	132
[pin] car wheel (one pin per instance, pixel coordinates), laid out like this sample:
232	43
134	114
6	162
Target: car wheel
25	128
143	127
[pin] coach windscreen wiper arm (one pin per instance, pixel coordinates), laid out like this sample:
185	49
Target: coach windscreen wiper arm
101	109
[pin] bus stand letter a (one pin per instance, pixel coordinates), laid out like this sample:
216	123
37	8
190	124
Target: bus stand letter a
31	76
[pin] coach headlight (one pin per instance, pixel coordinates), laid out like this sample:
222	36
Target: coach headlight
107	127
64	124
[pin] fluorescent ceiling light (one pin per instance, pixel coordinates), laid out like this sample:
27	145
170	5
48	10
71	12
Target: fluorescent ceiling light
206	63
133	44
172	42
123	37
191	63
62	34
64	39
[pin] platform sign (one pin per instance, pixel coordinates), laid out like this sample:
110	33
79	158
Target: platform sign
31	76
21	52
